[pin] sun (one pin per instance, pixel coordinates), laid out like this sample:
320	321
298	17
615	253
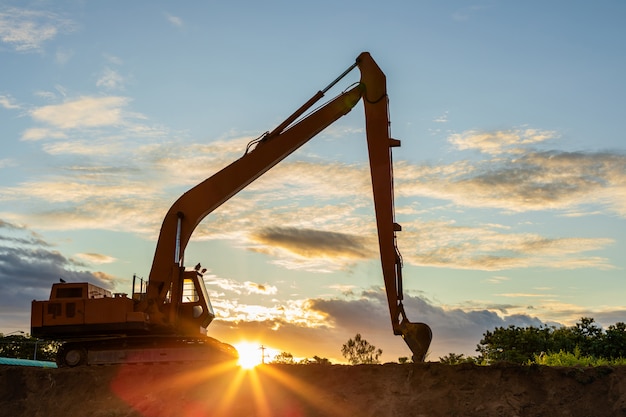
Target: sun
250	354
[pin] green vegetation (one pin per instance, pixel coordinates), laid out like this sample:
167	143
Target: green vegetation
574	359
27	347
584	344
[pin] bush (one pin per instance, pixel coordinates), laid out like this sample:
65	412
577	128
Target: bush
574	359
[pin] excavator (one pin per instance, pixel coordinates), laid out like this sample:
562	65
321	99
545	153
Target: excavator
166	317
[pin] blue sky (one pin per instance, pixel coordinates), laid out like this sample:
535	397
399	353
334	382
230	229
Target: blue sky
510	182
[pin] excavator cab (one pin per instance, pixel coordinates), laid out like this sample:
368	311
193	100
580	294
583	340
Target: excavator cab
195	309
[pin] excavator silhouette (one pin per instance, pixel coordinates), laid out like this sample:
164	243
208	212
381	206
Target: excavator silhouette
166	318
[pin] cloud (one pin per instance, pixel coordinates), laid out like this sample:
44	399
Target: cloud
497	279
5	163
256	288
113	59
28	30
106	120
501	141
38	133
83	112
8	102
29	267
313	243
456	330
332	320
238	288
110	80
319	326
174	20
132	195
531	181
524	294
443	118
444	244
63	56
95	258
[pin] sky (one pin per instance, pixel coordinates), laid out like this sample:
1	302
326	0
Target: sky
510	182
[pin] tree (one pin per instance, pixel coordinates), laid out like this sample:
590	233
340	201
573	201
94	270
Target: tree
513	344
589	337
360	351
284	357
615	341
27	347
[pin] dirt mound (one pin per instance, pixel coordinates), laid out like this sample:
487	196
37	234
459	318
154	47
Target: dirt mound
430	389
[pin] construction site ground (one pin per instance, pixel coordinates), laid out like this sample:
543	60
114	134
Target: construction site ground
430	389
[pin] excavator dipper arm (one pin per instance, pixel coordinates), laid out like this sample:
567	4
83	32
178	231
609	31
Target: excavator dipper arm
193	206
379	143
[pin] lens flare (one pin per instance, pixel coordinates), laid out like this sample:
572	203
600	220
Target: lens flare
250	354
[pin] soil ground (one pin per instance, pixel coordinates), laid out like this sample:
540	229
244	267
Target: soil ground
430	389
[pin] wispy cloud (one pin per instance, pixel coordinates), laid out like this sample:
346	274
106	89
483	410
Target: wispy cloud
6	162
28	30
551	180
174	20
444	244
63	56
132	195
106	120
281	214
95	258
443	118
83	112
110	79
497	279
256	288
501	141
8	102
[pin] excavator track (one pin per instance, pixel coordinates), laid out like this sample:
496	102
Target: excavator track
144	349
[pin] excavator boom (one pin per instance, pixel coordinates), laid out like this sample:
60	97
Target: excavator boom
187	212
174	308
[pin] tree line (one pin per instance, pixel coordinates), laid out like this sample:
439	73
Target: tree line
584	343
523	345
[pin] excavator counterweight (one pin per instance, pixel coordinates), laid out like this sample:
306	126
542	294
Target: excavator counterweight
167	317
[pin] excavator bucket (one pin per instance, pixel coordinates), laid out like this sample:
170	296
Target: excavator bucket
418	337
